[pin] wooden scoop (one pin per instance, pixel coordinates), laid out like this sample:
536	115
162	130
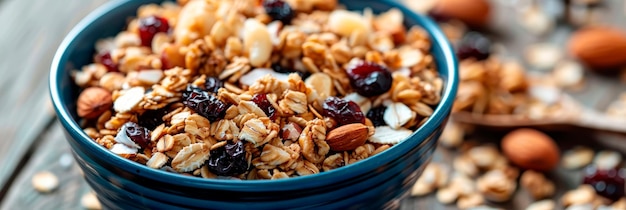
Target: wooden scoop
573	114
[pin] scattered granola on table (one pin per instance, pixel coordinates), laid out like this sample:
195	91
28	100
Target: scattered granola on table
257	91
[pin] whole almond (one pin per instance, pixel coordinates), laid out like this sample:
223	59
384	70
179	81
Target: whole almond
474	13
531	149
599	47
347	137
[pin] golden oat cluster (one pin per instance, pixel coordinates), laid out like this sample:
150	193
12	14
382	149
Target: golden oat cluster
272	124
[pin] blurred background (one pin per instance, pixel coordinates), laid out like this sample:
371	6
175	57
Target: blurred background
555	66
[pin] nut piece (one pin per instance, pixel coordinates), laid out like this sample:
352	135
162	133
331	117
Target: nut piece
93	101
537	184
607	160
347	137
474	13
129	99
322	83
257	42
45	182
90	201
496	186
584	194
542	205
435	175
600	47
531	149
577	157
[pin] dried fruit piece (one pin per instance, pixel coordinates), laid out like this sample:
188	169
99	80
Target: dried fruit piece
105	59
376	115
606	182
149	26
229	159
347	137
152	118
261	101
279	10
92	102
45	181
191	157
136	133
531	149
342	111
204	103
369	78
388	135
474	45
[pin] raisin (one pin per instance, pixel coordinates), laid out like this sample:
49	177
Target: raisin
204	103
369	78
342	111
376	115
140	135
228	160
279	10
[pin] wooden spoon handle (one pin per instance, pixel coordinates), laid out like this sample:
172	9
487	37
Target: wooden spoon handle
600	121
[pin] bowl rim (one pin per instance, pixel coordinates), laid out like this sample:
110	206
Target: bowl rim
438	117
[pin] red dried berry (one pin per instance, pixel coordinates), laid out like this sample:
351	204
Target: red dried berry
369	78
608	183
279	10
261	101
106	60
376	115
204	103
149	26
228	160
342	111
137	133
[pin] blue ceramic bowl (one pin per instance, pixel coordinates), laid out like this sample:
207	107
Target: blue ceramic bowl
372	183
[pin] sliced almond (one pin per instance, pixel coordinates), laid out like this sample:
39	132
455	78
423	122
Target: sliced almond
322	83
129	99
258	73
257	41
191	157
398	114
388	135
364	103
150	77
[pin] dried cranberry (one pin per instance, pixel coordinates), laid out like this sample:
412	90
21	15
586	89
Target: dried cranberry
474	45
152	118
228	160
212	84
279	10
281	69
106	60
376	115
138	134
261	101
342	111
369	78
204	103
149	26
608	183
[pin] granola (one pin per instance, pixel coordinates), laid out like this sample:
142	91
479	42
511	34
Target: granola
212	88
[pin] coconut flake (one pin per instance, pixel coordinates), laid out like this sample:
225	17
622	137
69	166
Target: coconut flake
388	135
258	73
123	149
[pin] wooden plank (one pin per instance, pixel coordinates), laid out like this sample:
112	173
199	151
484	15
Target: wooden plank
36	30
52	155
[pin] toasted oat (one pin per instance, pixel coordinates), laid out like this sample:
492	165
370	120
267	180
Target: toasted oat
191	157
157	160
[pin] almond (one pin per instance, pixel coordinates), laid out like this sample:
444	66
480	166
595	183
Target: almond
347	137
599	47
531	149
474	13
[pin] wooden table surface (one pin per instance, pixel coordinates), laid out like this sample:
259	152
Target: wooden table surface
32	140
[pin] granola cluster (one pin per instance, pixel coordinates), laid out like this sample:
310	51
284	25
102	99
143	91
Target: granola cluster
235	88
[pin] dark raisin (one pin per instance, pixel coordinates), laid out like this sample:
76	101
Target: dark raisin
106	60
204	103
149	26
279	10
608	183
342	111
261	101
152	118
138	134
369	78
212	84
228	160
376	115
281	69
474	45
